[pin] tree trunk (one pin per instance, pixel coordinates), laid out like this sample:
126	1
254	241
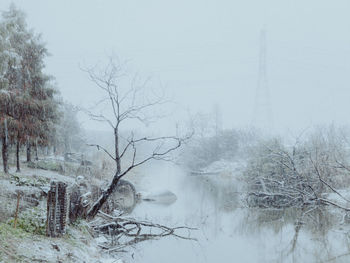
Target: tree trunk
29	156
105	194
5	155
5	148
103	198
36	150
17	156
116	145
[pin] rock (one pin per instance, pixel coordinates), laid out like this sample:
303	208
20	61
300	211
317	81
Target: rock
165	197
123	198
54	246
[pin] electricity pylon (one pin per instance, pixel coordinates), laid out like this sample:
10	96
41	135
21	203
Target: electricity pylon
262	116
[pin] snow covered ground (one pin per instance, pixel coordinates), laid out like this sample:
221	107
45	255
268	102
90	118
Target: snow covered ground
17	245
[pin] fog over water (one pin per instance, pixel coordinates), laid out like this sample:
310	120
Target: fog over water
236	234
251	198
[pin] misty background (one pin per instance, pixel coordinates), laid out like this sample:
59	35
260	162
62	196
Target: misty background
206	53
241	192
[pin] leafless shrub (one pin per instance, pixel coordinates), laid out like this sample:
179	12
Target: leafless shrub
280	175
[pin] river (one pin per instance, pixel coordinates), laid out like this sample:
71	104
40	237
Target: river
230	232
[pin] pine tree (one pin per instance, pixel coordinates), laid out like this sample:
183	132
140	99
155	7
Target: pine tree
28	101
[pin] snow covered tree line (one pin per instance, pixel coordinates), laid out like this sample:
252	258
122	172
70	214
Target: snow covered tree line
211	143
68	135
30	107
276	173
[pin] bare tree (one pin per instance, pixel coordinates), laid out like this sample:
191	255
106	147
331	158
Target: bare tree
135	103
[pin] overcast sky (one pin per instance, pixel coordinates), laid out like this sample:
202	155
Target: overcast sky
206	52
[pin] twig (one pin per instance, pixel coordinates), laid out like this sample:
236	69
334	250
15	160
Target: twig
337	257
104	149
334	204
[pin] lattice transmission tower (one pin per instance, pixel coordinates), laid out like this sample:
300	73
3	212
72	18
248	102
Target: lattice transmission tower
262	116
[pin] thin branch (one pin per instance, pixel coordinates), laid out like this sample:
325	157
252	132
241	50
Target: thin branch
98	117
100	147
324	182
326	201
129	231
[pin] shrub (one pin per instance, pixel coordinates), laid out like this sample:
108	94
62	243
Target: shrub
278	175
47	165
32	221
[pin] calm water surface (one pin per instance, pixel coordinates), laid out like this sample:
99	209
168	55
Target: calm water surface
229	232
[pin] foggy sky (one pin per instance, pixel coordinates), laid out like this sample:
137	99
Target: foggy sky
206	52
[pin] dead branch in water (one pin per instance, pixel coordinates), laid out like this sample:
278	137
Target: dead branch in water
124	232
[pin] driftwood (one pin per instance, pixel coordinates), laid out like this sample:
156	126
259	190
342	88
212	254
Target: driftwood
124	232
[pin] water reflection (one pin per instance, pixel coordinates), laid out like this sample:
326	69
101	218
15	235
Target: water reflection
304	234
230	232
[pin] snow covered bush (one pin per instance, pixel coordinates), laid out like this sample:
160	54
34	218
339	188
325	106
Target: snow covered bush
279	175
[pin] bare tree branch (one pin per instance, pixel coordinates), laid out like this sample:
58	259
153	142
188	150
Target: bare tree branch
100	147
128	103
124	231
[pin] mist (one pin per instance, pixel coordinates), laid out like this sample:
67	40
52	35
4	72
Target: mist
207	53
187	131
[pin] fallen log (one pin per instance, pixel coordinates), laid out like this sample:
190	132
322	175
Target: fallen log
124	231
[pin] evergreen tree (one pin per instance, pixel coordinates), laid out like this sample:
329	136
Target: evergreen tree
28	101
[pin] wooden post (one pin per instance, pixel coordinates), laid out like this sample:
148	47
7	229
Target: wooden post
17	208
57	204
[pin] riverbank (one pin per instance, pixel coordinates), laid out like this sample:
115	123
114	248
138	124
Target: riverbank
27	242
